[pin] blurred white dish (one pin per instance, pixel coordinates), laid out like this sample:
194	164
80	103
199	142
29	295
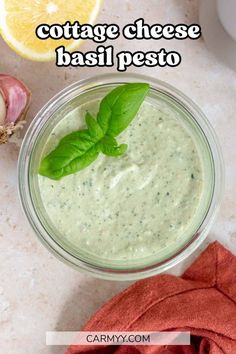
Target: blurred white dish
227	15
213	14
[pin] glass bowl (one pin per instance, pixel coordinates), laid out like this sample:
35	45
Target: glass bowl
31	154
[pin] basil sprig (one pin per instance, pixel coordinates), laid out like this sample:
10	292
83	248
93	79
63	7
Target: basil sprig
79	149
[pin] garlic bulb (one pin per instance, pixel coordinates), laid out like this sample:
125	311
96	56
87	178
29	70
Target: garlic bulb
14	102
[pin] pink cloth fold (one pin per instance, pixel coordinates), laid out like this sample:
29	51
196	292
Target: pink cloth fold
203	301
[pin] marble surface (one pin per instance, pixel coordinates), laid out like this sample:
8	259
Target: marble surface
38	292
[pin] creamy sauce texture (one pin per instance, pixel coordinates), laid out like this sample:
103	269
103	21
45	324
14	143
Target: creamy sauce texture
134	206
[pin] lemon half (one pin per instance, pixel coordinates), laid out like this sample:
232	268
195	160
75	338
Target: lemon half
19	20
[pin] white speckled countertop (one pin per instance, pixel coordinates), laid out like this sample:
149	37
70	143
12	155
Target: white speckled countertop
38	292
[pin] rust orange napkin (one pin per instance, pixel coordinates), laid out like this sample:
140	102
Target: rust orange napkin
203	301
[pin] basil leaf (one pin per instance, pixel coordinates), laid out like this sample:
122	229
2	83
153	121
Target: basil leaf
120	106
115	151
109	140
105	109
94	128
79	149
74	152
83	136
109	147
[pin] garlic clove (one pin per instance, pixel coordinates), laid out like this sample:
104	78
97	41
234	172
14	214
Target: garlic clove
17	97
3	110
14	102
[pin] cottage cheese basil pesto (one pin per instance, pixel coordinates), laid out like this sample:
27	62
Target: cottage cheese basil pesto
134	206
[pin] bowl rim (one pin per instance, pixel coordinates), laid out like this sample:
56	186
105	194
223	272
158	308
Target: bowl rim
42	117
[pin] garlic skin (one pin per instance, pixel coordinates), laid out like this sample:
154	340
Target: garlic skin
3	110
14	102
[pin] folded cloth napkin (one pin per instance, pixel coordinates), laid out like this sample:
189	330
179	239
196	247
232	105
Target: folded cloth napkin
202	301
